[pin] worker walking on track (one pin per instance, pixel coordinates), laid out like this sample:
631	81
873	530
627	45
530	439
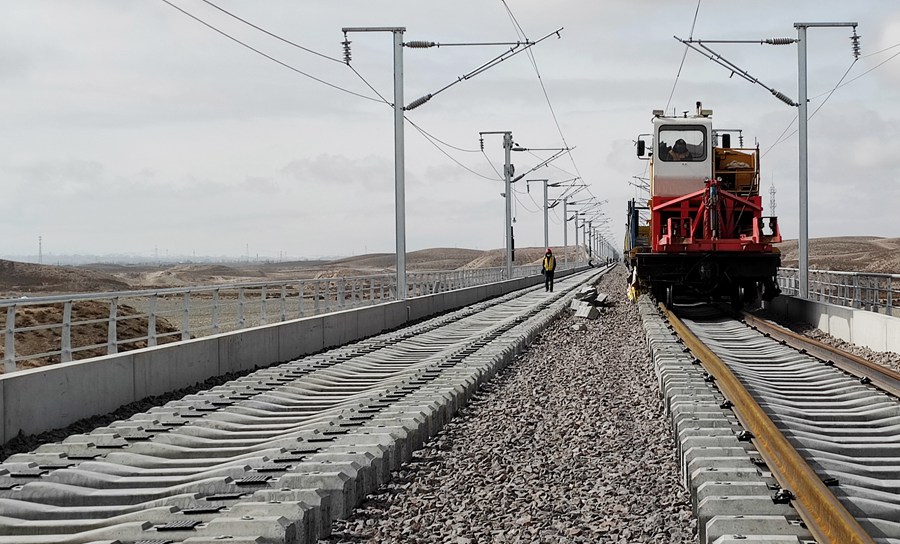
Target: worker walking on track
548	267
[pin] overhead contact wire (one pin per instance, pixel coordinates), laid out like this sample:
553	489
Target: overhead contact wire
683	57
448	155
829	93
520	33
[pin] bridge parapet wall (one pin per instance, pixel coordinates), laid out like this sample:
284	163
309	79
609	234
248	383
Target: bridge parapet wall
873	330
37	400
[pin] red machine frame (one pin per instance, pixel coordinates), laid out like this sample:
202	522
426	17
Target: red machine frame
708	220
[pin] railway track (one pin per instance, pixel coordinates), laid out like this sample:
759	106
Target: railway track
829	436
274	456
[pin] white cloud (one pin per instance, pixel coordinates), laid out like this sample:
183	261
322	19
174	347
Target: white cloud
132	126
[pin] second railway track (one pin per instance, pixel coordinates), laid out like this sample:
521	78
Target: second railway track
846	431
274	456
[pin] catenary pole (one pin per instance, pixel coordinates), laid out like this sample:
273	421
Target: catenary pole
565	232
399	148
546	228
507	175
399	164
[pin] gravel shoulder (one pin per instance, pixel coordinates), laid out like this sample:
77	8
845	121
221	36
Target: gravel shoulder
886	358
568	444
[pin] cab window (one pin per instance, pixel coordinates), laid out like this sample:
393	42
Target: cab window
682	143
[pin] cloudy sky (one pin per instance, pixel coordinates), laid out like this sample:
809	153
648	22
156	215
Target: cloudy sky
128	127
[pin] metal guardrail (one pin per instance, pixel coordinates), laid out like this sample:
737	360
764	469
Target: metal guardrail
145	318
864	290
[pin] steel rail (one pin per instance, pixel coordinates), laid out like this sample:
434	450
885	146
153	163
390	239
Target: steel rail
826	518
882	377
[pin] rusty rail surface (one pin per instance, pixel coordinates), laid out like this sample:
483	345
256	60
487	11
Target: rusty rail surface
826	518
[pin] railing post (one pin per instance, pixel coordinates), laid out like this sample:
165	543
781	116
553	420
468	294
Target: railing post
301	289
283	302
111	333
316	298
240	307
857	295
263	307
186	316
151	321
9	354
215	311
65	336
372	290
340	293
890	293
872	292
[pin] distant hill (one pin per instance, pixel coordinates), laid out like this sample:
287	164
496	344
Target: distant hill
18	278
859	253
847	253
423	259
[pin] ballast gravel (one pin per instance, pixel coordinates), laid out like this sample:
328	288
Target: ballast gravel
886	358
567	444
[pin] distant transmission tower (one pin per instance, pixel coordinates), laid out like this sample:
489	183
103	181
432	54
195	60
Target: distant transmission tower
40	250
772	198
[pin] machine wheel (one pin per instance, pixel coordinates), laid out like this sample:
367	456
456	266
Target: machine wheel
751	292
770	290
737	298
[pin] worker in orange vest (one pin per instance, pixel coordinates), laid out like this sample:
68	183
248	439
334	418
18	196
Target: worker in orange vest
548	267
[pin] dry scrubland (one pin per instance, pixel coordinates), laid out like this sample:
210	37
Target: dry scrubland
868	254
847	253
27	279
858	253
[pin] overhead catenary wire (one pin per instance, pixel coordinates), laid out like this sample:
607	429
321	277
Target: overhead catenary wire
449	156
442	142
520	32
734	68
879	65
524	207
370	86
683	57
488	159
506	55
888	48
436	142
272	34
270	57
783	138
430	138
518	48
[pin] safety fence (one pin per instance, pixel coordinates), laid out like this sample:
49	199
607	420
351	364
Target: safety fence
864	290
52	329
